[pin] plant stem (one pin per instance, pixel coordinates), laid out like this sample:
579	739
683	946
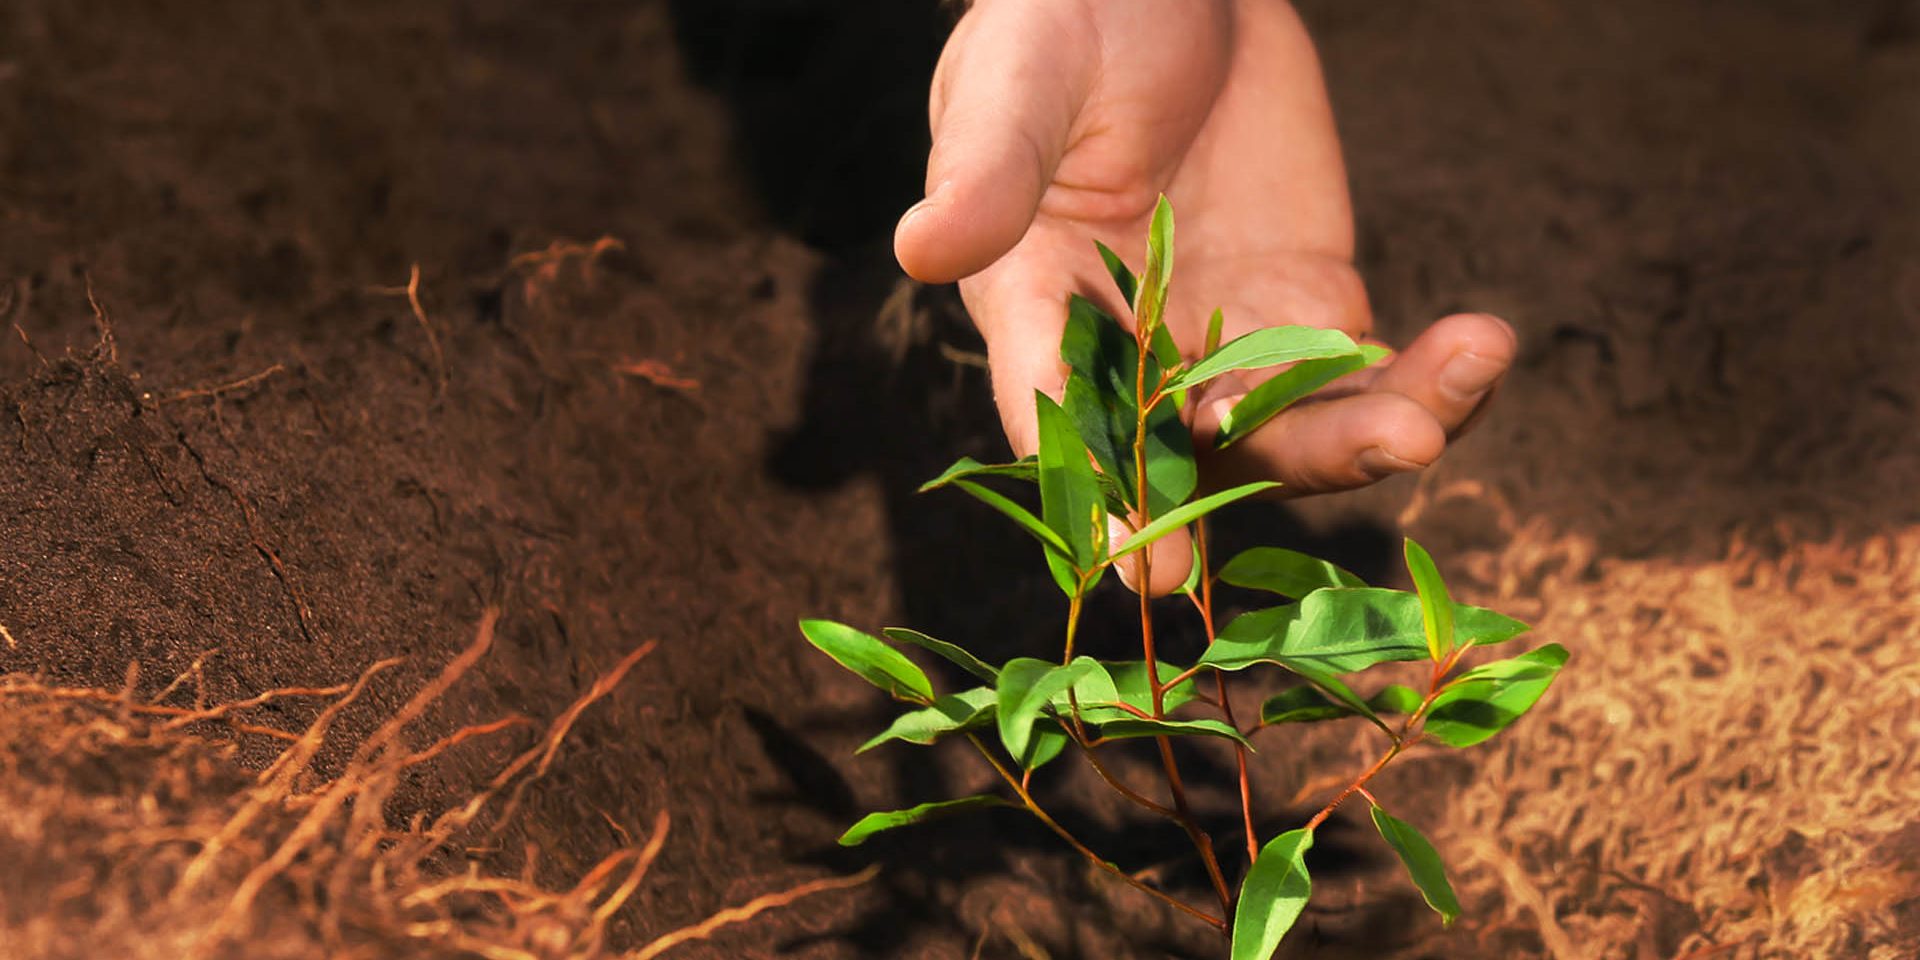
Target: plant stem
1142	407
1400	742
1027	800
1220	687
1358	784
1073	622
1121	788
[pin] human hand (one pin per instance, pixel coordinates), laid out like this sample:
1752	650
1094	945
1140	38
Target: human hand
1059	122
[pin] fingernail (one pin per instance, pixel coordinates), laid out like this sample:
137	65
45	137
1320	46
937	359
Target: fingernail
1468	375
1377	463
926	203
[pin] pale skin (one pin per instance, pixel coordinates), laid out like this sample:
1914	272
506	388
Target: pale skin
1060	122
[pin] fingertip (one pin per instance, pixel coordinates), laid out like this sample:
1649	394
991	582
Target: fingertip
917	241
1403	429
961	229
1482	334
1170	560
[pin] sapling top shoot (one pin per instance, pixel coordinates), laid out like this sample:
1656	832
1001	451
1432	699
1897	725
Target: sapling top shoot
1115	449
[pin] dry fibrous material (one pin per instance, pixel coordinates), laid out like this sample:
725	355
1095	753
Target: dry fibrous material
1734	773
127	834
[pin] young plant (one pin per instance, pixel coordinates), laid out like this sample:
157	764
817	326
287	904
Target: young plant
1116	448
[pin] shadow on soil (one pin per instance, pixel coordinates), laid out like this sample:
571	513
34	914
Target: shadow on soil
829	112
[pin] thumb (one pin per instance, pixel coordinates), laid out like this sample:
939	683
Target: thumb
1009	86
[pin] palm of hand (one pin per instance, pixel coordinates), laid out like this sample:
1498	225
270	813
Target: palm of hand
1059	122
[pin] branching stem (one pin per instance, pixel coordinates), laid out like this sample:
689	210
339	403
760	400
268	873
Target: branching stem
1142	408
1220	688
1026	799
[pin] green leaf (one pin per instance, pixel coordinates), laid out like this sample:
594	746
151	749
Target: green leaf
1186	513
1436	606
1267	347
1155	280
1289	573
1031	524
1330	684
1069	495
870	657
960	711
1026	468
1301	704
952	652
1100	399
1325	697
1343	630
1123	681
1172	473
1025	688
874	823
1272	896
1485	700
1423	864
1117	268
1481	627
1286	388
1395	698
1125	727
1049	739
1164	350
1215	324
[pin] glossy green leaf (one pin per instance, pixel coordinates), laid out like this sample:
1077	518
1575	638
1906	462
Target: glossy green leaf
1485	700
870	658
1479	626
1422	862
1069	495
1343	630
874	823
1301	704
1049	740
1330	684
1289	573
1215	324
1158	275
1165	351
1186	513
1395	698
1124	681
1123	278
1127	727
1288	387
952	652
1100	399
1172	473
1271	897
1020	515
1267	347
959	711
1436	605
1326	697
1026	687
1026	468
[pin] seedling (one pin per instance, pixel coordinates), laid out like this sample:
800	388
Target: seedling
1116	447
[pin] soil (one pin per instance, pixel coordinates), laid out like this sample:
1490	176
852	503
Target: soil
229	437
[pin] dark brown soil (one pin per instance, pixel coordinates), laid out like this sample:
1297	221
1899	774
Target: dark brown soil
1701	218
